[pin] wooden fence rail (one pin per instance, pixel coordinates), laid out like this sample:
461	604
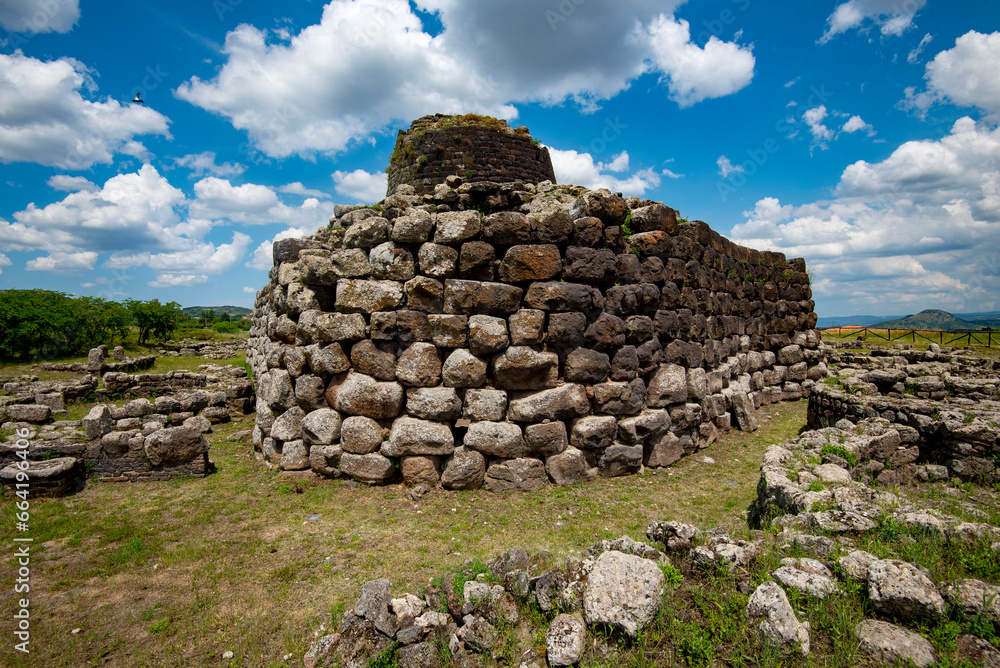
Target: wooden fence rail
982	337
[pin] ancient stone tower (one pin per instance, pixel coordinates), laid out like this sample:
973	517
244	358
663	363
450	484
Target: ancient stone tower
475	148
482	326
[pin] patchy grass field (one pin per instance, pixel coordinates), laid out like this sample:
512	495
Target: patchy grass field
176	573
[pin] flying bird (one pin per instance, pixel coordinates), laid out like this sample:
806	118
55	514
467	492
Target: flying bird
137	99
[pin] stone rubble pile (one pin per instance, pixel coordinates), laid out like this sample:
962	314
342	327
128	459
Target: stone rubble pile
566	334
219	350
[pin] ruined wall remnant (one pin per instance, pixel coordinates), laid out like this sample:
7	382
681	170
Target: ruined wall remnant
512	336
475	148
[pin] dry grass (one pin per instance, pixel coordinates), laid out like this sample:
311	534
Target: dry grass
175	574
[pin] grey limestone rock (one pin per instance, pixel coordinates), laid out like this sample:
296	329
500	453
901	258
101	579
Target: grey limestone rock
411	436
772	614
623	591
891	644
496	439
465	469
898	588
523	474
565	639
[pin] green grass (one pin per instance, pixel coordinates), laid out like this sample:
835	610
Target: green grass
233	551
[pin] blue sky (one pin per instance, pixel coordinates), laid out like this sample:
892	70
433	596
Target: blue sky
859	134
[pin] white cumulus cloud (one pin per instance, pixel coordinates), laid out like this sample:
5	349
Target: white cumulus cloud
361	186
891	16
966	75
70	183
45	118
39	16
856	124
697	73
4	261
581	169
63	263
370	64
919	229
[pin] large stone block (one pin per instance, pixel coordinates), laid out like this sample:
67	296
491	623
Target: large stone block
456	227
410	436
174	445
531	263
419	366
558	296
355	296
496	439
668	386
434	403
463	369
390	262
522	368
516	475
471	297
358	394
559	403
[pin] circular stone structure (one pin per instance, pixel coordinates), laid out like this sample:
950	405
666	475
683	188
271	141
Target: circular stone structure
475	148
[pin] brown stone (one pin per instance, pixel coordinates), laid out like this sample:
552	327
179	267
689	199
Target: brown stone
530	263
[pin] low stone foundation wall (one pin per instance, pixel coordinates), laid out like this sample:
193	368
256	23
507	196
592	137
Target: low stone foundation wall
946	406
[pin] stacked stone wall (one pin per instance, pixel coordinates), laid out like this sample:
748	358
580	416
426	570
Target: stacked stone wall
576	334
435	148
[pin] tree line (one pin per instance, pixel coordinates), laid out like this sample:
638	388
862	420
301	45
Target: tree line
48	324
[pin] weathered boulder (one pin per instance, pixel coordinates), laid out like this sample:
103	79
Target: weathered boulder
410	436
623	591
174	445
496	439
360	435
559	403
564	641
359	394
371	468
522	368
465	469
772	614
891	644
516	475
433	403
898	588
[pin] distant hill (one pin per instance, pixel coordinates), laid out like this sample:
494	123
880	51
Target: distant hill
195	311
991	319
930	319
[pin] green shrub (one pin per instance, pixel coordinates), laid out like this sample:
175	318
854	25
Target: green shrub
840	451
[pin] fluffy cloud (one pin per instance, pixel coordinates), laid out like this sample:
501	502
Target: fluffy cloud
917	230
966	75
361	186
297	188
38	16
891	16
814	119
142	220
4	261
44	118
370	63
129	211
694	74
191	266
856	124
70	183
581	169
204	163
63	263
